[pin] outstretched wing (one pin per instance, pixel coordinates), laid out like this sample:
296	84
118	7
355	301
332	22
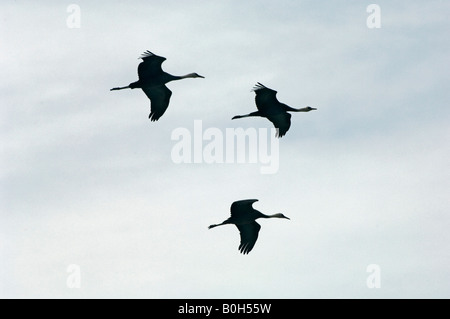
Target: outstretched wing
249	235
265	98
281	121
151	67
159	100
242	207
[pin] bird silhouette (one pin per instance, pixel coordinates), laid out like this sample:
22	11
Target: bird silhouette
244	216
152	80
270	108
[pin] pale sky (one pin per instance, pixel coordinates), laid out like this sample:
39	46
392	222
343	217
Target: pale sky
88	180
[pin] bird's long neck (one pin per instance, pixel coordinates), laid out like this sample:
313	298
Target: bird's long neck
187	76
270	216
170	77
261	215
303	109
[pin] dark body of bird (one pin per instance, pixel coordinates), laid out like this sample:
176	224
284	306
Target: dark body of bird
244	216
269	107
152	80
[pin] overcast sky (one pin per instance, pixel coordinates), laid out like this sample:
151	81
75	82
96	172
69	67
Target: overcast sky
88	180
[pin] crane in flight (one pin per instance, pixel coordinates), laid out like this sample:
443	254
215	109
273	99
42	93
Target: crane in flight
270	108
244	216
152	80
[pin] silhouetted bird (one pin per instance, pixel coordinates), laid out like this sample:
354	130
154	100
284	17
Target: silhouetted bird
270	108
243	215
152	80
